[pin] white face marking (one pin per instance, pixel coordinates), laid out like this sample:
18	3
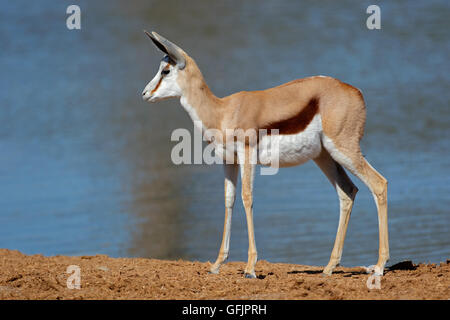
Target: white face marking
163	86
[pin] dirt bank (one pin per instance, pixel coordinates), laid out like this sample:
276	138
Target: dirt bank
102	277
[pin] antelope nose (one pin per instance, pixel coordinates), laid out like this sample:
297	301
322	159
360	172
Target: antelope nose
146	95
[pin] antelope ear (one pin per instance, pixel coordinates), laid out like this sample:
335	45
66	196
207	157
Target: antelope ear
169	48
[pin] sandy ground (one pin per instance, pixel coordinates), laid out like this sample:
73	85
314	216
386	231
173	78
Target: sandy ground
38	277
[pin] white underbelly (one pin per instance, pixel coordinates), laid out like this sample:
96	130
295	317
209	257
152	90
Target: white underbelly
293	149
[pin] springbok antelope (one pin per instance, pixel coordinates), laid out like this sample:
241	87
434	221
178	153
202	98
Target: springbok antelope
318	118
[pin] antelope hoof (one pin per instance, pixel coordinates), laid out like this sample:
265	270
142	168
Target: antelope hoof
378	271
328	270
250	275
214	271
327	273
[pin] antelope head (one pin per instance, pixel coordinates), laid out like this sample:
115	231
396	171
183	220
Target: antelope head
165	84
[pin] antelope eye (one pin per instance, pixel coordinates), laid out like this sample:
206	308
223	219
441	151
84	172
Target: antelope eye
164	72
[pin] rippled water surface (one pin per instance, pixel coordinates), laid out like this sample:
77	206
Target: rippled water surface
85	164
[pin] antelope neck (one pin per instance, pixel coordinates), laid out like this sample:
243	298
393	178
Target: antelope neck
203	106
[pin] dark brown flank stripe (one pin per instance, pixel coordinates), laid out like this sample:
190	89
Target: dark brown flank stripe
298	122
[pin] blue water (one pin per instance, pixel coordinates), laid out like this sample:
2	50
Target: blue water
85	164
